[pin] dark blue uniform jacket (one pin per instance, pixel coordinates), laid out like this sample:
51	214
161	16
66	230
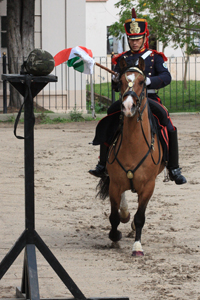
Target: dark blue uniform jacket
155	68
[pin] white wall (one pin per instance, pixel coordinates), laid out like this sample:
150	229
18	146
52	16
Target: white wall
76	23
169	51
3	8
64	26
99	15
53	26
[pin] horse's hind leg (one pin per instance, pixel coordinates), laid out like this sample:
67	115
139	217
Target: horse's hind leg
124	212
115	235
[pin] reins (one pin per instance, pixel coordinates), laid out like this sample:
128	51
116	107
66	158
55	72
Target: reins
130	173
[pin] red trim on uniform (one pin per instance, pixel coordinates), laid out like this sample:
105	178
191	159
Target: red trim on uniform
158	99
106	144
115	57
160	53
168	117
164	132
140	51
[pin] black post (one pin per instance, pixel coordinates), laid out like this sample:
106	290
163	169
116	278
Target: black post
29	158
4	86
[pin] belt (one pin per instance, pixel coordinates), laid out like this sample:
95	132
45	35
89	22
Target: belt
151	91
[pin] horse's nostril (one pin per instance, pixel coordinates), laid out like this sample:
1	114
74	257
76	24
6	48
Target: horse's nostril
133	108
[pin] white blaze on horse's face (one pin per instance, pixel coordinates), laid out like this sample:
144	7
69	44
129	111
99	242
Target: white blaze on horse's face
129	106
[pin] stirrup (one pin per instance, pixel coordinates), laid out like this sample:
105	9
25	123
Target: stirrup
166	175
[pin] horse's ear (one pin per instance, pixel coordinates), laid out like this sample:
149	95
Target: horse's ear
141	64
122	63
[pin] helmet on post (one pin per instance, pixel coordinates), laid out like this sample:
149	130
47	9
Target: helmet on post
136	28
39	63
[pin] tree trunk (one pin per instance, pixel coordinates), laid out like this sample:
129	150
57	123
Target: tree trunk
185	72
20	30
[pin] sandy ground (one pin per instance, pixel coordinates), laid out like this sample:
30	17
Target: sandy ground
75	226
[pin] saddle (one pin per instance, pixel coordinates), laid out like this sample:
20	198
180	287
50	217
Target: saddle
109	126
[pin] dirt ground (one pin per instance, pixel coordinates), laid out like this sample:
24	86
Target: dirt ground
75	226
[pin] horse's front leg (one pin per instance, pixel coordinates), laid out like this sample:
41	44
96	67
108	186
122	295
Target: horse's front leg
124	212
115	235
139	220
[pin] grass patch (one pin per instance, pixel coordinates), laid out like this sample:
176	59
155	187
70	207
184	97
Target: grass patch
73	116
174	96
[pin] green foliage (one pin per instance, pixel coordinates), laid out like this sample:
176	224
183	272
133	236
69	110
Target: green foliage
76	116
176	21
100	108
45	119
125	6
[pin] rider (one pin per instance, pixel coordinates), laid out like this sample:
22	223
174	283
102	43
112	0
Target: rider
157	76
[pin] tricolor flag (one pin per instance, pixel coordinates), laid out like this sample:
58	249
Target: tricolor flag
80	58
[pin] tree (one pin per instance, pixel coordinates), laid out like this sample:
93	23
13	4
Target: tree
175	21
20	37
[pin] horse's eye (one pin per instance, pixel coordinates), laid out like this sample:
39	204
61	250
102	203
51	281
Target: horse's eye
141	82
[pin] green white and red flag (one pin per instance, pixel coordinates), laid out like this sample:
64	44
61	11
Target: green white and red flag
80	58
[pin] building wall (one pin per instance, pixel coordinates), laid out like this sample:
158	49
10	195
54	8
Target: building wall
64	26
99	15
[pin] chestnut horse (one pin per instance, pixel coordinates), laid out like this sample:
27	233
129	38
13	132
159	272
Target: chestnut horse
134	159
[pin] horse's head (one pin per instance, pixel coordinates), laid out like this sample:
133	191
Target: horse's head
132	86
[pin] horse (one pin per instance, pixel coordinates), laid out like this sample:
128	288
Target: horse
135	156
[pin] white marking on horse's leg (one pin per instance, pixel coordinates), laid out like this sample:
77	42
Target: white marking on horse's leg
137	246
137	249
124	212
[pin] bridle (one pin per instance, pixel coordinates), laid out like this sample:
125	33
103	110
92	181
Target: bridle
130	91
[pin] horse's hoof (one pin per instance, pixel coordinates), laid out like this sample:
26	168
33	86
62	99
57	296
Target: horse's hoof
115	236
125	220
137	253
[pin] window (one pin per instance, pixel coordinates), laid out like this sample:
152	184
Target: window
3	31
197	44
115	45
38	24
152	42
109	42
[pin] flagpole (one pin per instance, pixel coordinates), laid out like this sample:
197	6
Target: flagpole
108	70
92	97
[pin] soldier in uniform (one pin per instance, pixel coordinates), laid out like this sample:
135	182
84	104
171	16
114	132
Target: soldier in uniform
157	76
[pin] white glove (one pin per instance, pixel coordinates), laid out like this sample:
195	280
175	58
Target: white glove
115	77
148	81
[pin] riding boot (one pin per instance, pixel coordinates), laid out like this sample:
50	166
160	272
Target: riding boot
100	169
173	166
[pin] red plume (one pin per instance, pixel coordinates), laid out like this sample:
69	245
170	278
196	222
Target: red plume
134	13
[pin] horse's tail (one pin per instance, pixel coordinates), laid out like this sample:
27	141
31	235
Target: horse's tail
103	187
